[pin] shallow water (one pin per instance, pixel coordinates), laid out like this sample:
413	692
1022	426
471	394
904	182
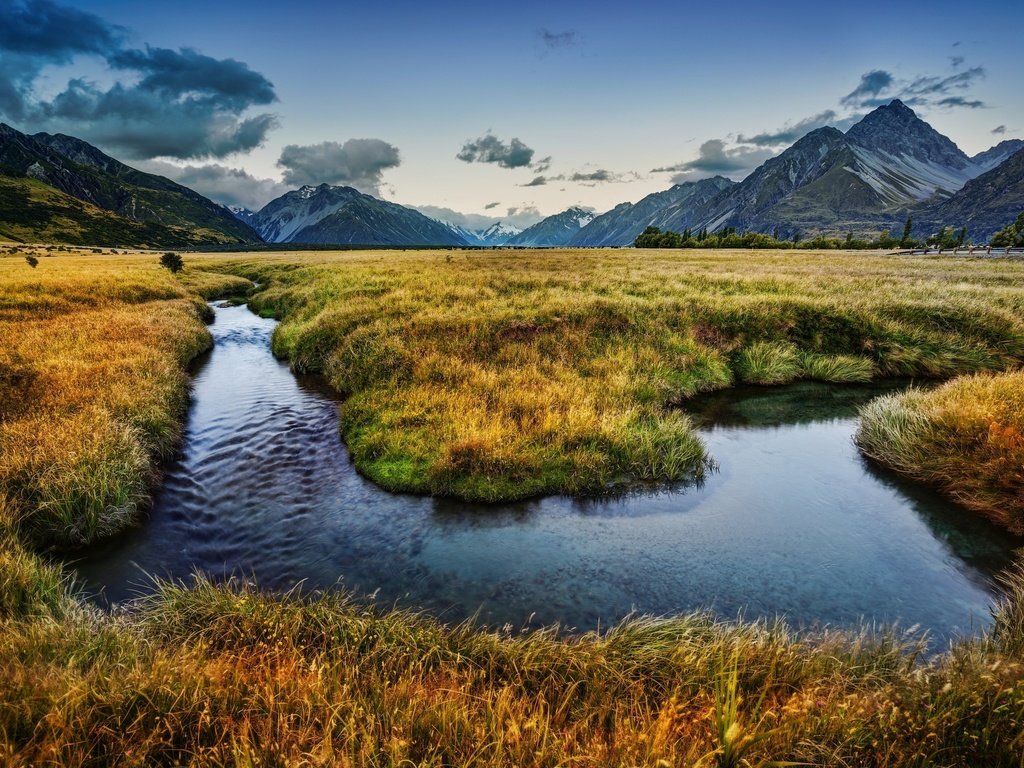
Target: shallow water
794	521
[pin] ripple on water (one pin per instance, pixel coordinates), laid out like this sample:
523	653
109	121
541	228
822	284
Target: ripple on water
794	522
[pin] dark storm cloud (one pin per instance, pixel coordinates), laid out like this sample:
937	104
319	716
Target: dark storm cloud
872	85
557	39
491	149
53	32
357	162
179	104
177	73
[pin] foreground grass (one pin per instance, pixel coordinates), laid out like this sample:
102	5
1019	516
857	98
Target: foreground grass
499	376
224	675
92	386
966	437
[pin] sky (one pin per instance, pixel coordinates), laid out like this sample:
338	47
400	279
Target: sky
482	112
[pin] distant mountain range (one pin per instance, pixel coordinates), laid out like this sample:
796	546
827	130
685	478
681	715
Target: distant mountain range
888	166
56	188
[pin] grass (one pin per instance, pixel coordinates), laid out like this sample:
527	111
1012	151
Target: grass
94	351
92	386
495	376
966	437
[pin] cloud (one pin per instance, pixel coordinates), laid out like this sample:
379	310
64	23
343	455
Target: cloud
538	181
999	129
790	133
713	159
171	103
959	101
491	205
551	39
230	186
491	149
879	87
524	216
542	165
872	85
54	32
357	162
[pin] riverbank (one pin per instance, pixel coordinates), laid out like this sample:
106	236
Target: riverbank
499	376
965	437
224	675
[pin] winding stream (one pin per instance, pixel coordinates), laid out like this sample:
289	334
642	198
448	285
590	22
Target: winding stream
795	522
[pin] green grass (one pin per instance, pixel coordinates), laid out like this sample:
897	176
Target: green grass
93	390
496	376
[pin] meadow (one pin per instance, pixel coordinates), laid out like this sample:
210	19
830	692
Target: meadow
500	375
472	374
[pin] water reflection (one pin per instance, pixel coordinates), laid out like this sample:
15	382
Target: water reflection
795	522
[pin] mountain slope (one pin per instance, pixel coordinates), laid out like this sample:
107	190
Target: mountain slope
624	222
554	230
326	215
984	205
173	215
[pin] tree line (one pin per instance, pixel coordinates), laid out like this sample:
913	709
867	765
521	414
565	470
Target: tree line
729	237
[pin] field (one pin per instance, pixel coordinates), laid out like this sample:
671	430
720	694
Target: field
494	376
488	376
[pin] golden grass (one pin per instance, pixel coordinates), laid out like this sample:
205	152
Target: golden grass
93	351
92	386
494	376
966	437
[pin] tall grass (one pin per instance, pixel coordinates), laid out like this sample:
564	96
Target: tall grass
205	674
966	437
495	376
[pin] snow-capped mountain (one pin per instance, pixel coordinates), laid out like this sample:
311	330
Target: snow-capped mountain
327	215
554	230
499	233
241	213
888	165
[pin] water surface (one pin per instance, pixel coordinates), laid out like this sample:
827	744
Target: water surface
793	523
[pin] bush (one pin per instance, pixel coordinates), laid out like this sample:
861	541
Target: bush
172	261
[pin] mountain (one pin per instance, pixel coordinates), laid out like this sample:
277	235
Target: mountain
889	165
992	157
554	230
984	205
499	233
60	189
624	222
327	215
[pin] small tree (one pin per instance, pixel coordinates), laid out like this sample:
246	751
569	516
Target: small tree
32	261
905	240
172	261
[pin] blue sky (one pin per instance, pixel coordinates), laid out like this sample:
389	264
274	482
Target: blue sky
243	100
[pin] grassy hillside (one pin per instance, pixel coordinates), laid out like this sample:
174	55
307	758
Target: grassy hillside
34	212
498	376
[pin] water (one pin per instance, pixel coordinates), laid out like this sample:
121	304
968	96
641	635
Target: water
794	523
